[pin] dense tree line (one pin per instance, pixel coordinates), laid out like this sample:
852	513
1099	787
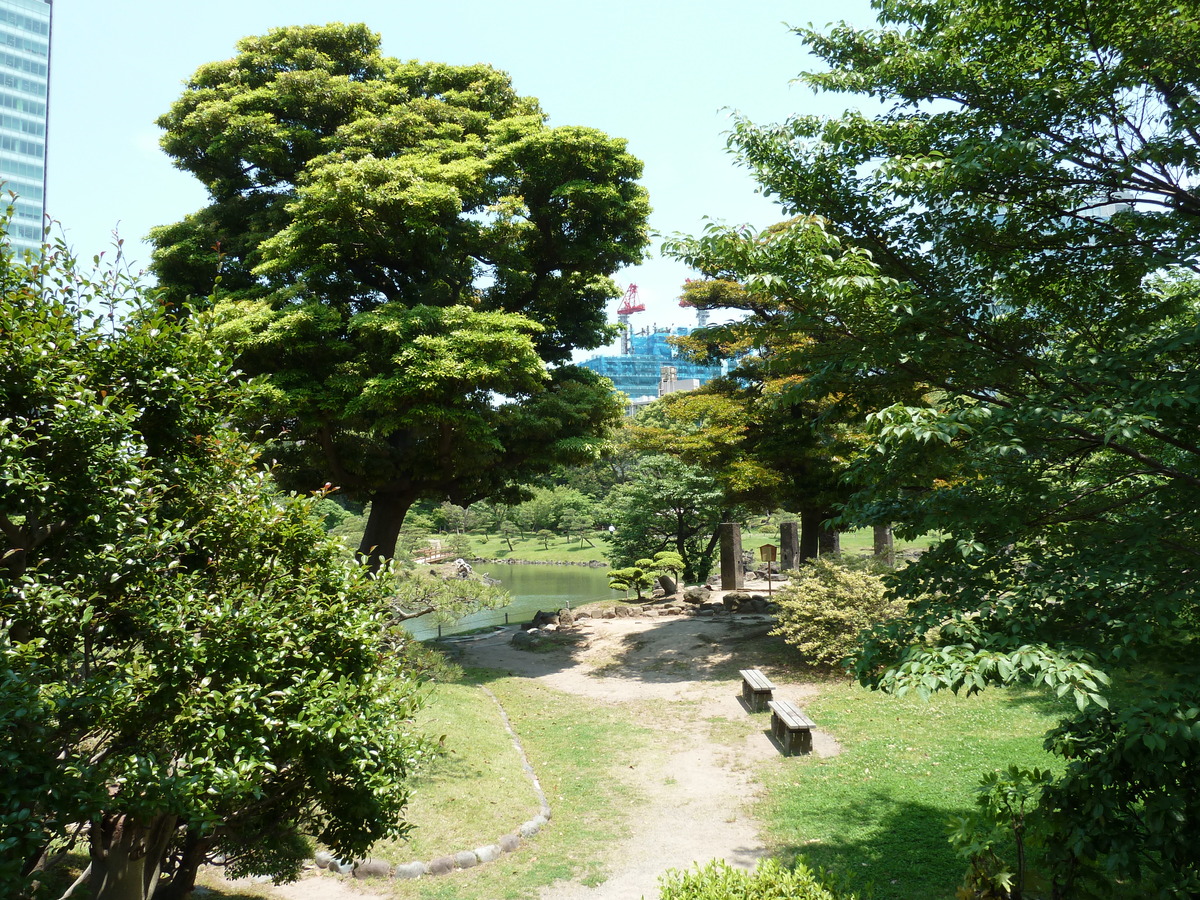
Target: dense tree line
190	666
994	281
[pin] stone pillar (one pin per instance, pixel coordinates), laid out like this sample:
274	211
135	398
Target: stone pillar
885	548
829	541
789	546
731	556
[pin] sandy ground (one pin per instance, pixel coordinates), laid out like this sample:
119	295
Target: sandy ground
695	796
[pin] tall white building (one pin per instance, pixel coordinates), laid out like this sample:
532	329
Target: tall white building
24	105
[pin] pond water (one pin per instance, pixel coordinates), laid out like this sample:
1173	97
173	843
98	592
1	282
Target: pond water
532	588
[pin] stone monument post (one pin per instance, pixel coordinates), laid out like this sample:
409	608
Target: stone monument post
789	546
731	556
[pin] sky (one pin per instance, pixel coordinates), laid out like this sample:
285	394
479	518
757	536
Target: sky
663	74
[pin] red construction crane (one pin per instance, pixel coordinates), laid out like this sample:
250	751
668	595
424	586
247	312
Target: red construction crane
629	302
629	306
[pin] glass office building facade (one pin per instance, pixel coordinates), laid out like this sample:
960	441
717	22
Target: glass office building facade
24	105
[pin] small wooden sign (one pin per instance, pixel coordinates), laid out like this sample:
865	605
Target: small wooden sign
767	552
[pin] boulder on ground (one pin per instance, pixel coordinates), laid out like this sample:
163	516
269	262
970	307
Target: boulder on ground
524	640
411	870
323	858
443	865
566	618
667	583
488	854
372	868
510	842
695	594
532	827
735	599
466	859
541	618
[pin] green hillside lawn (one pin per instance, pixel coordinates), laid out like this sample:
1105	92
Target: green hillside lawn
876	814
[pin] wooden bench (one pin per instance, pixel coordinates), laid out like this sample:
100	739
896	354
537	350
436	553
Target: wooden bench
791	727
757	690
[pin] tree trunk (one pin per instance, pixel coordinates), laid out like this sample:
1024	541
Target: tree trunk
884	546
183	880
810	527
383	527
126	856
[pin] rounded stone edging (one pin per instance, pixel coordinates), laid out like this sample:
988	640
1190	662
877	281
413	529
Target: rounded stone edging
463	859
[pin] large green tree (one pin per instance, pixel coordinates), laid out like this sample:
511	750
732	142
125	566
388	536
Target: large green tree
403	249
189	665
1013	236
666	505
768	444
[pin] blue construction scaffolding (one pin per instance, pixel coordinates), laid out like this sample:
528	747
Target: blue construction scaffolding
638	373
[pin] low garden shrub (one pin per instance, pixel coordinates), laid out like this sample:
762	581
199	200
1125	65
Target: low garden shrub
718	880
828	602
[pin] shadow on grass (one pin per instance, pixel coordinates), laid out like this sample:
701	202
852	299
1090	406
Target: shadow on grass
887	849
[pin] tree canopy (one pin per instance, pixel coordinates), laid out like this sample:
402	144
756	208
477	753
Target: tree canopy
666	505
1000	267
403	248
189	665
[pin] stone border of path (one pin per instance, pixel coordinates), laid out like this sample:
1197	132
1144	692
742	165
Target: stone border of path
463	859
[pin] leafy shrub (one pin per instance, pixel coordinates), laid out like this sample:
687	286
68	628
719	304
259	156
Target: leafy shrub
828	603
770	881
1006	806
638	577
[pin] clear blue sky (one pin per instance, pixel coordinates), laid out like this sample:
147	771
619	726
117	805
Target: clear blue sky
662	75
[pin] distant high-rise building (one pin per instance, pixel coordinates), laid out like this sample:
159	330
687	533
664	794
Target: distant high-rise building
638	372
24	104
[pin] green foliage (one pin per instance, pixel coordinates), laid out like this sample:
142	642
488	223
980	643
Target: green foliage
404	248
829	603
417	594
638	577
547	508
876	813
457	544
668	562
449	516
332	513
999	269
576	525
190	664
1006	807
717	880
666	505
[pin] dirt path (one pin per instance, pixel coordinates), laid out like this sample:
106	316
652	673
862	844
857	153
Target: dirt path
696	798
696	795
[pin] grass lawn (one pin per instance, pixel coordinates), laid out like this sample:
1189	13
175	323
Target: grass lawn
479	792
560	549
557	549
876	814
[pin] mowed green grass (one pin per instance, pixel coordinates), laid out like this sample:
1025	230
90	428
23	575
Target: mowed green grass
581	754
876	814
